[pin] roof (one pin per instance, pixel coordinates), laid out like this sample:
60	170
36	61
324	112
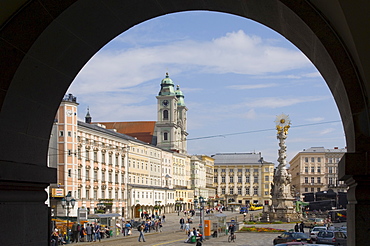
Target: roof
142	130
238	159
323	150
97	216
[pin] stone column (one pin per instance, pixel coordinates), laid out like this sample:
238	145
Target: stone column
25	216
354	169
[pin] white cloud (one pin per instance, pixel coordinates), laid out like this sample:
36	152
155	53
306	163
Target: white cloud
278	102
236	52
326	131
316	119
255	86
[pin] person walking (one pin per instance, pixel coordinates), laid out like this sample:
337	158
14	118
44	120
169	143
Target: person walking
127	228
182	223
301	227
140	228
296	227
163	218
187	228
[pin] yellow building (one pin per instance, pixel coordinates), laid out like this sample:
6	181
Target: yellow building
242	178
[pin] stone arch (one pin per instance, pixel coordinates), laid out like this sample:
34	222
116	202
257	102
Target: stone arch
41	60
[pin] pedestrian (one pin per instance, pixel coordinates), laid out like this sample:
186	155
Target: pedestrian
89	232
75	231
187	228
160	225
182	223
140	228
127	228
97	233
163	218
54	237
296	227
301	227
82	234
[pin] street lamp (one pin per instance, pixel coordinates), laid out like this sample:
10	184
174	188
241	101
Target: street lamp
201	208
68	202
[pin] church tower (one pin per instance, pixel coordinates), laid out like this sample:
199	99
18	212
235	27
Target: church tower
171	117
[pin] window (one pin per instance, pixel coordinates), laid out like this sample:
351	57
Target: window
306	180
69	134
231	171
61	133
69	152
266	186
255	170
319	169
255	191
239	179
87	194
79	173
223	179
165	136
110	159
215	179
330	169
318	180
239	191
95	156
247	170
312	180
103	157
215	171
312	159
87	175
255	179
266	169
330	160
223	170
103	176
231	190
305	189
110	177
165	114
247	191
312	189
223	191
95	175
79	153
330	180
87	155
239	170
247	179
312	169
306	159
231	179
266	178
318	159
69	172
306	169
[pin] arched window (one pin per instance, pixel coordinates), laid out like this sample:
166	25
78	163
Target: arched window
165	136
165	114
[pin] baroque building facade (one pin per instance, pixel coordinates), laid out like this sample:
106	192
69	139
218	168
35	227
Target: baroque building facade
316	169
242	178
109	171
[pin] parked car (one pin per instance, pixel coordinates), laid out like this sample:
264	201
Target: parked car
311	222
291	243
332	238
243	210
292	237
314	231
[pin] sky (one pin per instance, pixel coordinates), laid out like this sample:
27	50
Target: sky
237	77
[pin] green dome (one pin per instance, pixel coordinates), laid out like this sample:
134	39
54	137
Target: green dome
167	87
180	97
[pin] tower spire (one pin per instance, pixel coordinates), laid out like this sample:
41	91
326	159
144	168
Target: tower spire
88	117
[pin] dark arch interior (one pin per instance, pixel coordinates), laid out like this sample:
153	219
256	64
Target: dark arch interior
44	46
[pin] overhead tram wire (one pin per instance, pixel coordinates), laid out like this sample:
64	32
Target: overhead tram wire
262	130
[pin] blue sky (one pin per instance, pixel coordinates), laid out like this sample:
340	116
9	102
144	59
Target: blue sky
237	76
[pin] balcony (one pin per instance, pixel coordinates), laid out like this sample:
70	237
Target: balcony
337	186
